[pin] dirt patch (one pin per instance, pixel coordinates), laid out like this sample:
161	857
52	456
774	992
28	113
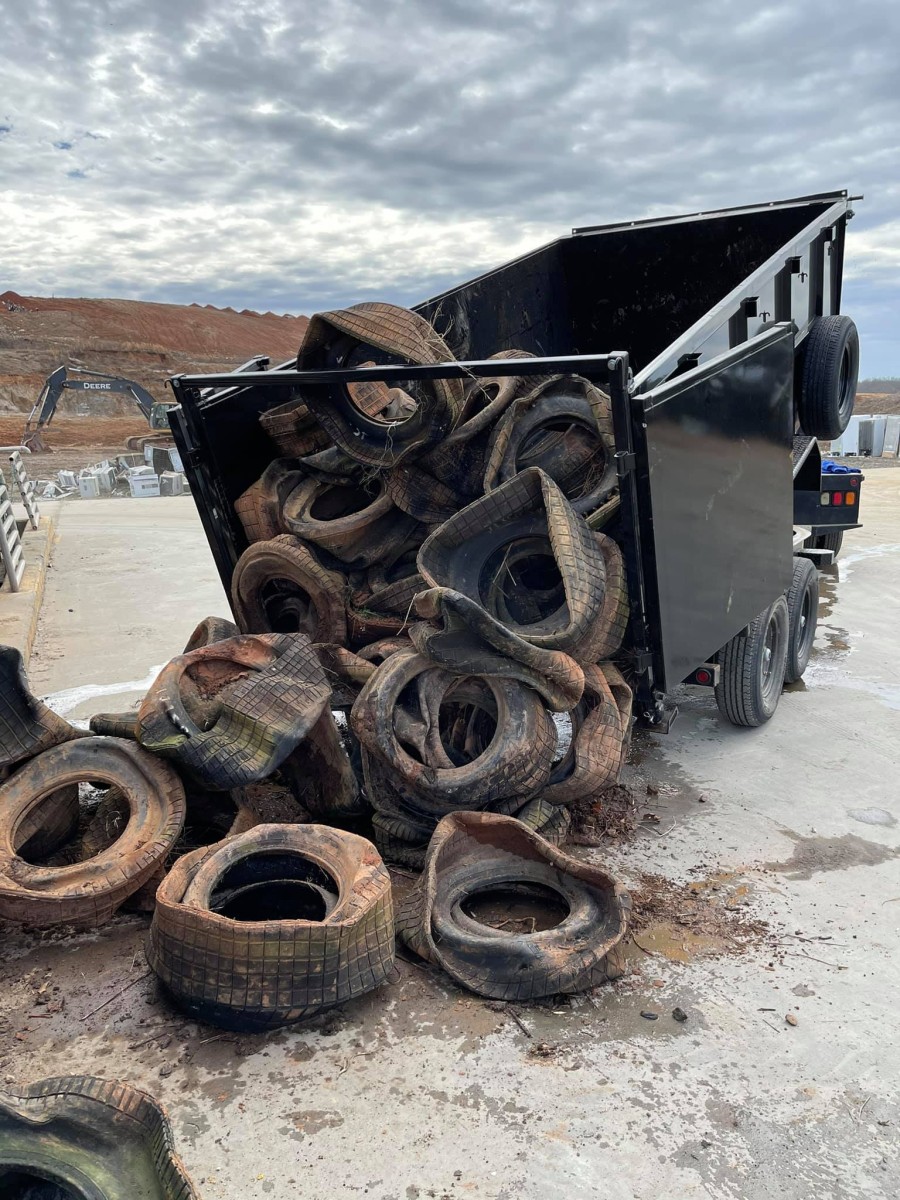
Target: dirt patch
813	855
613	818
686	921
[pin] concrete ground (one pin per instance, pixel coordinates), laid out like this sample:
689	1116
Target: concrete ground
789	832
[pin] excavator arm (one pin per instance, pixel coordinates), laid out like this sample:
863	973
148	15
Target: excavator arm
59	381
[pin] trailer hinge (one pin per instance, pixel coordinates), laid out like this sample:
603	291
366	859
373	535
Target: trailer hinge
643	661
625	462
191	458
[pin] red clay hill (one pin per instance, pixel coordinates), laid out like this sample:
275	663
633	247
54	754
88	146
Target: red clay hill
132	338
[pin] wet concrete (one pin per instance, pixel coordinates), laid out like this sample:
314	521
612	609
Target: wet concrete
421	1090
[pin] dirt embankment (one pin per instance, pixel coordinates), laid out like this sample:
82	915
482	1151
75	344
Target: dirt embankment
133	339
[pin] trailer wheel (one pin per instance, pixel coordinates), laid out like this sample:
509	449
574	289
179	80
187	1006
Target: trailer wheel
829	376
753	665
803	608
833	540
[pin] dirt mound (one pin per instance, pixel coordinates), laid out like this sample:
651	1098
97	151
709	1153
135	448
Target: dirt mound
877	403
134	339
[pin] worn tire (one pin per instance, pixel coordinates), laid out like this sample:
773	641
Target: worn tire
357	523
91	1138
27	725
752	668
579	458
828	377
294	430
250	974
88	892
280	586
477	852
530	516
230	713
803	608
516	761
349	336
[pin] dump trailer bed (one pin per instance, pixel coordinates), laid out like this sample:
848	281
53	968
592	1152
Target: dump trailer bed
699	328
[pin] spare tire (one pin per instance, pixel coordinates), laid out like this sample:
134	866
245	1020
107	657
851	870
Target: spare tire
231	712
280	586
378	332
828	378
88	1138
273	925
88	892
27	725
474	854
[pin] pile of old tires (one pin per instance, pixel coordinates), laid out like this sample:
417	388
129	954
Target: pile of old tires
447	550
428	614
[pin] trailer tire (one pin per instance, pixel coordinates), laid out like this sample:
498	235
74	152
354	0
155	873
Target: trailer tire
803	607
753	665
833	540
829	376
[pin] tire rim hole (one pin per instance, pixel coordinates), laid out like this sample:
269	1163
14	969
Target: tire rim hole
72	824
517	908
521	584
341	500
23	1183
275	886
287	607
571	454
466	725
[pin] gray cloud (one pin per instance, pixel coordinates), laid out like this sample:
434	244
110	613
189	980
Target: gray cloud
271	155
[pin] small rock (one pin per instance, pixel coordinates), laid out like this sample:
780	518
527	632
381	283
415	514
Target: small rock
701	799
704	1144
650	1016
652	789
791	1019
679	1014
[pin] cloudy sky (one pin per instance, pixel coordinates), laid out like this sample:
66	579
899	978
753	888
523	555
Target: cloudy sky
285	155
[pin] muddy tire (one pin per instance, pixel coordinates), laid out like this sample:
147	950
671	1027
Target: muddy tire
803	608
274	925
358	524
828	377
280	586
27	725
89	892
752	668
473	854
294	430
364	333
230	713
78	1136
526	558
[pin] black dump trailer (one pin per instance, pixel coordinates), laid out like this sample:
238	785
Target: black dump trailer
718	338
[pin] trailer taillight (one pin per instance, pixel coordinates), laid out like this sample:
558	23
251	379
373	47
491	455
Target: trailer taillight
849	498
825	498
837	497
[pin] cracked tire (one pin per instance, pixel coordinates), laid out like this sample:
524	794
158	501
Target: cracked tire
472	853
87	892
226	940
526	558
97	1139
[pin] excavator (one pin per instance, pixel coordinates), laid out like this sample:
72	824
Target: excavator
61	380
